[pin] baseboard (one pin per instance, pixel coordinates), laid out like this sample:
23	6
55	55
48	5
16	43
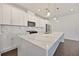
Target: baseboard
74	39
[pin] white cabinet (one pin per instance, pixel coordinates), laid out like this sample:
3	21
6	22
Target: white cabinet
0	13
6	43
6	14
0	43
17	16
11	15
16	41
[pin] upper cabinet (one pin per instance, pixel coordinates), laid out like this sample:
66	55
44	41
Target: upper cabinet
18	16
5	14
0	13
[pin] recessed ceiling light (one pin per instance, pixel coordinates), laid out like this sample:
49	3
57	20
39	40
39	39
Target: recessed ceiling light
71	9
39	9
48	14
54	18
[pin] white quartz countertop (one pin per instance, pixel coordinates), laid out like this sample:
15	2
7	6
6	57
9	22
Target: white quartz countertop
42	40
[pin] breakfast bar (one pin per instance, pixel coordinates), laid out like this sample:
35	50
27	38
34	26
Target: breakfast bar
39	44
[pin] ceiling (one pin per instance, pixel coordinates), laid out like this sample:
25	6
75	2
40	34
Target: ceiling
55	9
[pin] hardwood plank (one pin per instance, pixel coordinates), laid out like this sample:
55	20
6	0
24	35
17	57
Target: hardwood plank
68	48
10	53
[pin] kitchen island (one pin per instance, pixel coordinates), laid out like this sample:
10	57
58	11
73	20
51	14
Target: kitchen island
39	44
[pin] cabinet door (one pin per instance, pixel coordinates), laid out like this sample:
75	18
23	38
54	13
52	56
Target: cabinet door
6	42
17	16
0	13
0	44
6	17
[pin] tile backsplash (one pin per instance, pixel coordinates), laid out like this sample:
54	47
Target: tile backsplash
7	29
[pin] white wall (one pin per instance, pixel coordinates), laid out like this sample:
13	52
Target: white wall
69	25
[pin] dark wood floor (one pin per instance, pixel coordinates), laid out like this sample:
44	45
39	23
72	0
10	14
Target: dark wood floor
68	48
10	53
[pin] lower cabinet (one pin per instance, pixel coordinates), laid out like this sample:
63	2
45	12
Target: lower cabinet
6	43
16	41
0	43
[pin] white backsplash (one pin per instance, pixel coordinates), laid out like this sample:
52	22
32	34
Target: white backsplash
8	29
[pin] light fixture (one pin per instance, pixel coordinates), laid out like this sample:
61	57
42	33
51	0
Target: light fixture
71	9
48	13
54	18
39	9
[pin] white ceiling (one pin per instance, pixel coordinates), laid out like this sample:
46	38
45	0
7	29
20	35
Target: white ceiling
64	8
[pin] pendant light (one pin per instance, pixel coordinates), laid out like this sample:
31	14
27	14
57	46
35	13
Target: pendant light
48	11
